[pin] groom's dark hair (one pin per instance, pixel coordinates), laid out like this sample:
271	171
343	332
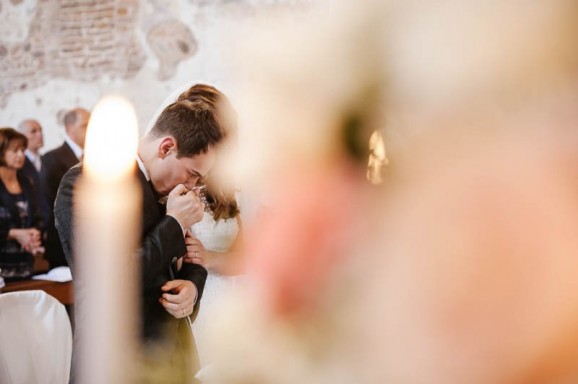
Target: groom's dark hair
198	120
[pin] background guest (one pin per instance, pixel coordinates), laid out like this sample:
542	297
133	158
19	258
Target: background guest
20	218
33	163
55	163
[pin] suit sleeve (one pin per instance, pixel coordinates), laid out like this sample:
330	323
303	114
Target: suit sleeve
160	246
63	212
198	276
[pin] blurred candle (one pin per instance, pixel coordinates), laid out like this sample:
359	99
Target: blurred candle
107	218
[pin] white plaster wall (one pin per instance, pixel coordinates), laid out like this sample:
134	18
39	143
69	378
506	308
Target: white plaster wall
213	24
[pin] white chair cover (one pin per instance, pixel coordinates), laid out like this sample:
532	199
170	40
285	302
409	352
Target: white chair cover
35	339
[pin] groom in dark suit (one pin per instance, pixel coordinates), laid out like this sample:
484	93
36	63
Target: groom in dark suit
55	163
173	156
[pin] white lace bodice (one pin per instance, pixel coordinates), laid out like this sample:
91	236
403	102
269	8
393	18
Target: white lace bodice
216	236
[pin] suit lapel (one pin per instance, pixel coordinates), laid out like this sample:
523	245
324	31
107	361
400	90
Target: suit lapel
29	168
68	155
151	210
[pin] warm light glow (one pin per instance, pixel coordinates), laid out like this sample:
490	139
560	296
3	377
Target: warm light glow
111	139
377	158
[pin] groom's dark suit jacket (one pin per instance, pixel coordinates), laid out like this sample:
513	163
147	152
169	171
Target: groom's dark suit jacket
161	242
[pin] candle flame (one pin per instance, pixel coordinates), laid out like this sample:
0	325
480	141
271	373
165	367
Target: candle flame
111	139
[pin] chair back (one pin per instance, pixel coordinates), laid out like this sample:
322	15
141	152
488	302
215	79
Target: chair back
35	339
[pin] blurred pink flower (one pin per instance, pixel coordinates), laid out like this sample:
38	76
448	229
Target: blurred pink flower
313	220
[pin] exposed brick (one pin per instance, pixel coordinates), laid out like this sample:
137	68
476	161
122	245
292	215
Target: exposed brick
75	39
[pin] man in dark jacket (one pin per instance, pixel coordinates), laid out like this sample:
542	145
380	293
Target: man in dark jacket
33	163
179	150
55	163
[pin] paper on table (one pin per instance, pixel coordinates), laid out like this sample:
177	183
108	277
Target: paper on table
60	274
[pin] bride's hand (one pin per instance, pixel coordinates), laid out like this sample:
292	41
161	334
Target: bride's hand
223	263
196	252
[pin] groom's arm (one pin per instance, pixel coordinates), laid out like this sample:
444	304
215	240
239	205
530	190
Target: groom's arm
198	276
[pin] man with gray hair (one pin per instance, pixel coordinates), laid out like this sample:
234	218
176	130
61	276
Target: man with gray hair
55	163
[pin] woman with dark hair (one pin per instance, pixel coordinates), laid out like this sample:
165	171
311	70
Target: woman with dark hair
20	217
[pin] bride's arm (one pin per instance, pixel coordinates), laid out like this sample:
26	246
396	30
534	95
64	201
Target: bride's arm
228	263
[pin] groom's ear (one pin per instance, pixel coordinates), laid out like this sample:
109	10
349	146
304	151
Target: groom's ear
166	147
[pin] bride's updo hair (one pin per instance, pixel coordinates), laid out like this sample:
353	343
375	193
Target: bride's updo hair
220	195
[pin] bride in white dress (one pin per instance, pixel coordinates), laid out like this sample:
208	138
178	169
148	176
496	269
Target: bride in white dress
213	241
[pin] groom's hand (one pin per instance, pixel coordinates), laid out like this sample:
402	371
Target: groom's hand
185	206
179	297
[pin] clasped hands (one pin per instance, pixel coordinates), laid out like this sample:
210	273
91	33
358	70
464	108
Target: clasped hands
179	297
29	239
185	206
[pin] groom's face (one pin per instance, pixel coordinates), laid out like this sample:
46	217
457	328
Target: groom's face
172	171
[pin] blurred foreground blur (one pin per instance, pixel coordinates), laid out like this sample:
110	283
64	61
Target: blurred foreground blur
461	266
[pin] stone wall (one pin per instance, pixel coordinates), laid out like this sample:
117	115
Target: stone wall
55	55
